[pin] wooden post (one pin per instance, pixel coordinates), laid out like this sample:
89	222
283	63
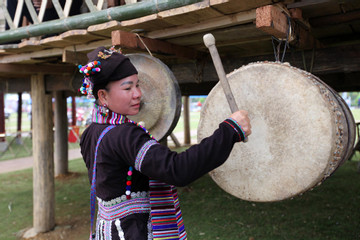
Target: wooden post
19	113
2	118
43	150
73	110
61	134
187	138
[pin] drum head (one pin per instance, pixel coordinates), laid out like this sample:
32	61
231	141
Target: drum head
299	132
161	97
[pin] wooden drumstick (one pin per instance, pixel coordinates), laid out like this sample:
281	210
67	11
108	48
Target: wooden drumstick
209	42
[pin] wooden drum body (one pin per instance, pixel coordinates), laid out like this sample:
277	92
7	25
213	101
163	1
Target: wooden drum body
301	132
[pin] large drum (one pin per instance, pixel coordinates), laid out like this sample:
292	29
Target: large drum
301	132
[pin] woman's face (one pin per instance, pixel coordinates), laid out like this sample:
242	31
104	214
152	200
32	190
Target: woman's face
123	96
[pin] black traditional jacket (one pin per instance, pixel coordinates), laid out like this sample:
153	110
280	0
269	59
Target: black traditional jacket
129	145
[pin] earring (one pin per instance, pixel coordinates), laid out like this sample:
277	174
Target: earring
104	110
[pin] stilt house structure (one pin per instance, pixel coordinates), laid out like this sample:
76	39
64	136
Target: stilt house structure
41	57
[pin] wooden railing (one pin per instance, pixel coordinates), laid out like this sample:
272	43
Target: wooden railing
38	8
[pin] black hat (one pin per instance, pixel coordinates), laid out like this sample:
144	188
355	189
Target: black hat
112	66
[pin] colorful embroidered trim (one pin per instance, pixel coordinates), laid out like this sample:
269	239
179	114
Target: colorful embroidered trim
124	209
142	152
93	180
165	212
111	118
242	134
113	202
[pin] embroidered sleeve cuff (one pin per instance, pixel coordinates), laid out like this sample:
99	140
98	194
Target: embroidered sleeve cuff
237	128
142	152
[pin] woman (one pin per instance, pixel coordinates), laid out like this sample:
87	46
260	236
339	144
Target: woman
130	172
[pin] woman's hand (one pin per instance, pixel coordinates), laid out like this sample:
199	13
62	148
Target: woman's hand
243	120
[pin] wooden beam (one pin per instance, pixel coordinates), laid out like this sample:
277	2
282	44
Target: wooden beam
326	61
335	19
307	3
132	41
33	69
15	85
52	83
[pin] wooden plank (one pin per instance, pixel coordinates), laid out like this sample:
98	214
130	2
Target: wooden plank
189	14
31	45
105	29
79	36
55	42
233	6
174	17
232	35
132	41
206	25
53	52
148	23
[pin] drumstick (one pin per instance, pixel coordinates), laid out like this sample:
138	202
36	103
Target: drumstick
209	41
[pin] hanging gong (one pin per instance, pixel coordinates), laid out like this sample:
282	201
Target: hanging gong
301	132
160	105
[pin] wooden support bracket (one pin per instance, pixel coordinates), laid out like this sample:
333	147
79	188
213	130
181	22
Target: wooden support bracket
128	40
74	57
273	20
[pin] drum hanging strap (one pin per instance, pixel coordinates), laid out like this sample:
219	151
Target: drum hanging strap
93	181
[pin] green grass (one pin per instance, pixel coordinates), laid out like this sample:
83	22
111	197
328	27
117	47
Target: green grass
330	211
71	199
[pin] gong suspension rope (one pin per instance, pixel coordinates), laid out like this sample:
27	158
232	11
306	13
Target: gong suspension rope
312	60
144	44
280	41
